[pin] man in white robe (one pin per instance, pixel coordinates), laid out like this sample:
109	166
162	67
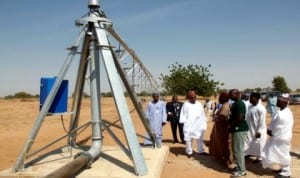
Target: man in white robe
193	117
278	146
157	117
257	134
208	108
245	99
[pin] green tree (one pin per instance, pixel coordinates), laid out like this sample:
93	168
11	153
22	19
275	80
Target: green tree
144	93
258	89
181	79
21	95
107	94
279	84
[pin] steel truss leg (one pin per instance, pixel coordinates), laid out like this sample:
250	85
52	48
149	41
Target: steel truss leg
19	165
83	65
120	101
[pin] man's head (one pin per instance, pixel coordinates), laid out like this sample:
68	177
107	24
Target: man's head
175	98
223	98
245	96
254	98
282	101
234	94
191	96
155	96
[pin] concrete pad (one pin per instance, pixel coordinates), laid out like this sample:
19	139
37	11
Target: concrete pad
113	162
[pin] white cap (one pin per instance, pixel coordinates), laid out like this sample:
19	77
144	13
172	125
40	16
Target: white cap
285	95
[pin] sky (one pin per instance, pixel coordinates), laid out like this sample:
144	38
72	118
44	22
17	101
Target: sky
247	42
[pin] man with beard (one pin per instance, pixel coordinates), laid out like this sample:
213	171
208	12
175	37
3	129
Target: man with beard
193	117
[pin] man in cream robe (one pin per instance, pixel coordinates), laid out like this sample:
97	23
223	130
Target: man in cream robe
193	117
257	134
277	148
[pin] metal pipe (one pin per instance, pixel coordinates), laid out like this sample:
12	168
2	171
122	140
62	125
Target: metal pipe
84	159
70	169
95	149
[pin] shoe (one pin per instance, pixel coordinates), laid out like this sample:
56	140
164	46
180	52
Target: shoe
247	156
256	161
281	176
277	171
239	174
183	142
204	154
234	169
147	145
189	155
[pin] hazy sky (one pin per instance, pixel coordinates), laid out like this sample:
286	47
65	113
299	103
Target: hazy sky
247	42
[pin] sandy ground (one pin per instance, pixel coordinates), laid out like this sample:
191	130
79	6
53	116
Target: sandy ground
17	118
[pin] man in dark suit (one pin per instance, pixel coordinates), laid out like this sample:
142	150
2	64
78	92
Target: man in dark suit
173	109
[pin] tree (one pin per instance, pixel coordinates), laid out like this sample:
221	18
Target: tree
280	84
258	89
181	79
144	93
107	94
248	90
21	95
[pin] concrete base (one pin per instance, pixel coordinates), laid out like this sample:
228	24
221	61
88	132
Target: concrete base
113	162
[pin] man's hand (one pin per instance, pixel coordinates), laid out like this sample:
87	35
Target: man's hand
257	135
231	129
269	132
170	114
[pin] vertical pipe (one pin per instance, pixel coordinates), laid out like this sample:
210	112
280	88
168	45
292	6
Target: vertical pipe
95	96
83	159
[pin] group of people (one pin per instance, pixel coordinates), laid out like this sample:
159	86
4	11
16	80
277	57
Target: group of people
239	130
188	117
247	134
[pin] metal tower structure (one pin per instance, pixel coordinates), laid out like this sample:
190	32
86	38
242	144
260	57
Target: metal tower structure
138	75
95	29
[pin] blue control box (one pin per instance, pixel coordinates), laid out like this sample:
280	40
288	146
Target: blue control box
60	102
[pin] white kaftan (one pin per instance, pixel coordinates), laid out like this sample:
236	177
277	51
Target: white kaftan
247	105
156	115
277	148
256	120
193	117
